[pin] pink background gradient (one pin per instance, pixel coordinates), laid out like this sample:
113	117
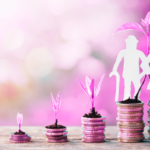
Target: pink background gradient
45	45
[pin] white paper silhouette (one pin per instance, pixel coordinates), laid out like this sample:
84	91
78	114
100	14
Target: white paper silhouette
131	68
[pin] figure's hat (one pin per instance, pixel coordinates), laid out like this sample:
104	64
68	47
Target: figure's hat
131	38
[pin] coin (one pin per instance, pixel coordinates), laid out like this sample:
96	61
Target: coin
132	105
55	130
129	133
130	124
133	109
130	115
20	138
130	136
130	140
57	137
129	120
84	119
19	135
93	141
93	137
55	133
93	128
22	141
93	132
126	117
94	123
56	141
148	103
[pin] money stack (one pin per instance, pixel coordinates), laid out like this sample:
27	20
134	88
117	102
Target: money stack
149	119
93	129
19	138
56	135
130	122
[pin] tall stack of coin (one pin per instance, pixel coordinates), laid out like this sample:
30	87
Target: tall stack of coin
130	122
19	138
56	135
93	129
149	119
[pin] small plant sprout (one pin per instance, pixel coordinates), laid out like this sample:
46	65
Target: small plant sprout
90	89
56	105
19	120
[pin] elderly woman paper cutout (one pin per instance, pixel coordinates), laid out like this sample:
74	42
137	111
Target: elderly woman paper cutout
131	68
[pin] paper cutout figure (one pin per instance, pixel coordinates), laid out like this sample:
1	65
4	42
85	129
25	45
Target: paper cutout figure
90	89
131	66
19	120
145	66
56	104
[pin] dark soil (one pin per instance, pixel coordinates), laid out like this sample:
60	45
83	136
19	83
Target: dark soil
130	101
92	114
55	126
19	133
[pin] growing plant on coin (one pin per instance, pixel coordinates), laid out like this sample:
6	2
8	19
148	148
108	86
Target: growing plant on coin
19	120
56	104
90	89
135	26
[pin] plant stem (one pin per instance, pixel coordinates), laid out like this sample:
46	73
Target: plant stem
55	116
148	51
19	127
56	123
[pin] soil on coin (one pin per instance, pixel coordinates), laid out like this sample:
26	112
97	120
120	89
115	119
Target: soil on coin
55	126
130	101
19	133
92	114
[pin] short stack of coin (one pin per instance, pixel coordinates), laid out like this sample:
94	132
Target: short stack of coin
24	138
130	122
149	119
93	129
56	135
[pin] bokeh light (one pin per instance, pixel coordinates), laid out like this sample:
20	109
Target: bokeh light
46	45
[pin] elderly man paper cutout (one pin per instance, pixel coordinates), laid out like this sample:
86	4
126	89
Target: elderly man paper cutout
131	68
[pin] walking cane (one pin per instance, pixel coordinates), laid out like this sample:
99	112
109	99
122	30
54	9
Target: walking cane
117	83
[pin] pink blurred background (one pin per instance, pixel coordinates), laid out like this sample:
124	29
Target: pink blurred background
46	45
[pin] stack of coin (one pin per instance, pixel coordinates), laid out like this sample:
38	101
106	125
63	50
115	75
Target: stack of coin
24	138
93	129
149	119
56	135
130	122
